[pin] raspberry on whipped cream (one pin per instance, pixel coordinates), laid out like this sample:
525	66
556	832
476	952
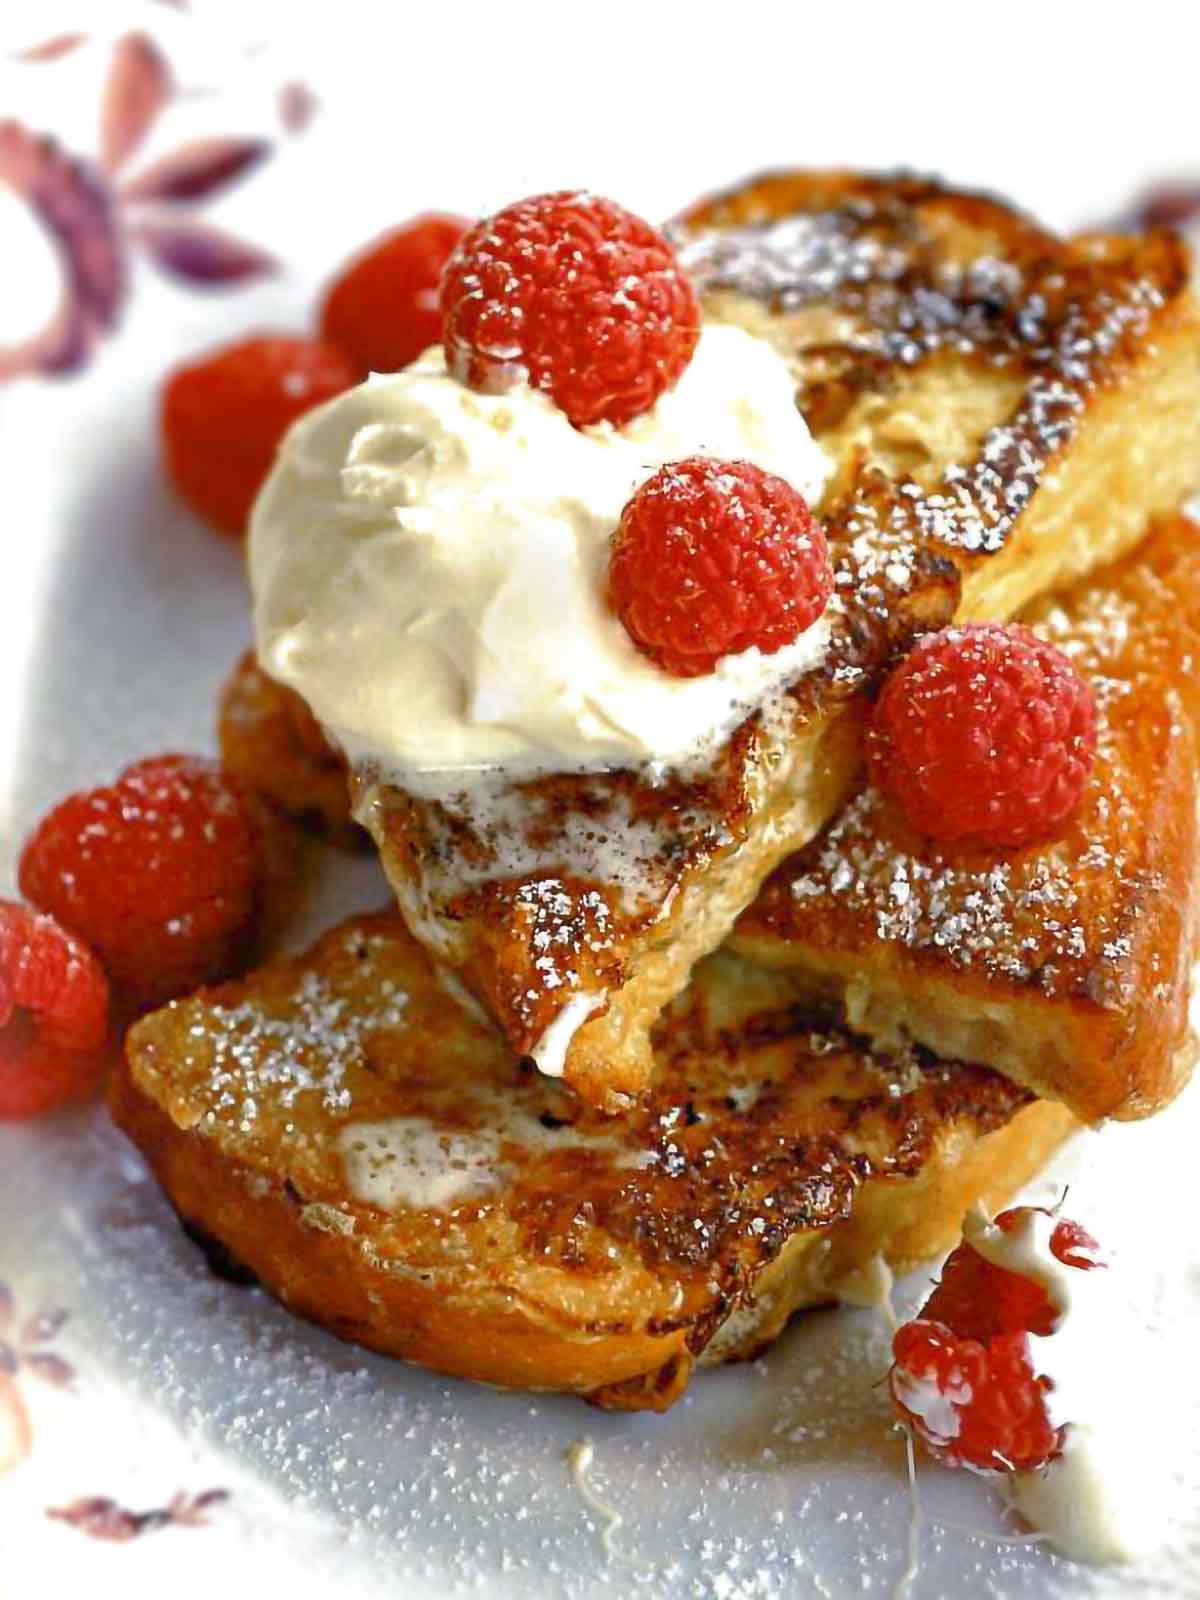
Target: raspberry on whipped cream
574	295
712	557
429	569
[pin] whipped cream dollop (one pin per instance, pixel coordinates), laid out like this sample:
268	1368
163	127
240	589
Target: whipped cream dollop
1105	1498
429	565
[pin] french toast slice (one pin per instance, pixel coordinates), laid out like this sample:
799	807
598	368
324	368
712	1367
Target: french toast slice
380	1160
271	742
1004	408
1064	965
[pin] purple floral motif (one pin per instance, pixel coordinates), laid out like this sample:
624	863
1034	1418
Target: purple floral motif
50	1368
197	253
1169	205
96	216
195	171
73	204
138	88
1174	204
43	1326
51	49
297	106
25	1352
101	1518
24	1349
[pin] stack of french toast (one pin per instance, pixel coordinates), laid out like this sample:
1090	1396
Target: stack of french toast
585	1116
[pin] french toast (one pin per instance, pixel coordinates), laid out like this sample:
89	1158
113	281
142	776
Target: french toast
1004	409
271	742
380	1160
1064	965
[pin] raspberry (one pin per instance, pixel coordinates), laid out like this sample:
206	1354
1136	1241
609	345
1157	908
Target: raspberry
224	415
972	1404
53	1013
576	295
980	1300
985	733
385	308
962	1375
161	872
713	557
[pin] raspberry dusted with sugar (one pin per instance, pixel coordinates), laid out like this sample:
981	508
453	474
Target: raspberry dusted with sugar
161	872
53	1013
963	1375
385	307
712	558
224	415
985	733
576	295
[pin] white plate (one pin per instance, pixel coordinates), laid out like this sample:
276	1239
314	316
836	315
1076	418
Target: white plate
121	614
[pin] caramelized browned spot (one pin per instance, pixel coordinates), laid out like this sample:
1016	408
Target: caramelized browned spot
913	275
273	744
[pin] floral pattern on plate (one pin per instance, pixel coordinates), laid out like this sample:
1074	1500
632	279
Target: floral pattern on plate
24	1351
97	213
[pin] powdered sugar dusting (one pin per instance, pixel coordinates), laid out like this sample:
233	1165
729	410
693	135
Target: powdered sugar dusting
1053	912
899	299
869	298
776	1479
795	260
1004	922
305	1054
418	1486
562	924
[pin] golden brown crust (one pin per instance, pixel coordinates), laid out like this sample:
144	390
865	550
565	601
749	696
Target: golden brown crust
1066	964
973	223
978	382
592	1251
272	743
901	1224
526	945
